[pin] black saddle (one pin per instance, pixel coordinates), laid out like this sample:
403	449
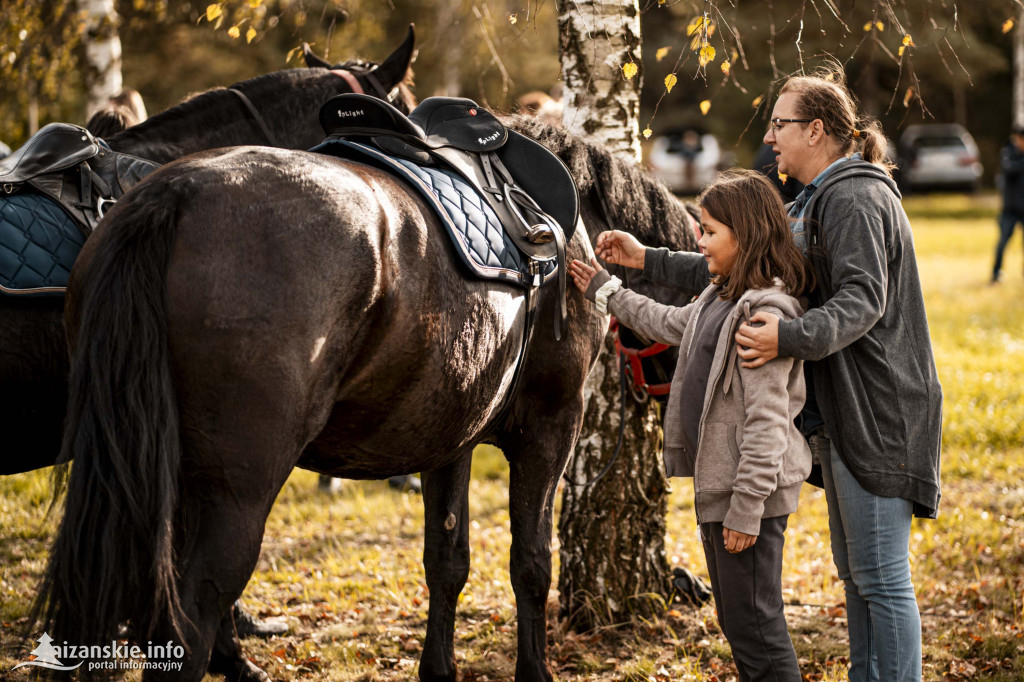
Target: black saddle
527	186
67	164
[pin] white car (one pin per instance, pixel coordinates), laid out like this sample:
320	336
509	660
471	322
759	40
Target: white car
939	156
685	160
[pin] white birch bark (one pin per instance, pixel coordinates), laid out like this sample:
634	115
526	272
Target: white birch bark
102	53
1018	70
611	532
597	38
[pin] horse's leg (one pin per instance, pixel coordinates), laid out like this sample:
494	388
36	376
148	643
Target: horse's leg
537	457
224	504
446	561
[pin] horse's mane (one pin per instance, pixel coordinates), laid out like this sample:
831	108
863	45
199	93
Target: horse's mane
636	201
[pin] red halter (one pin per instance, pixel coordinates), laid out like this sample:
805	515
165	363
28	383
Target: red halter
633	366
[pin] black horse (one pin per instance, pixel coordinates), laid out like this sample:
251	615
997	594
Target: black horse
242	312
33	351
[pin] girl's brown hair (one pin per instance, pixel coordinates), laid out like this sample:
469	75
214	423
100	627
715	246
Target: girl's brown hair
824	95
748	203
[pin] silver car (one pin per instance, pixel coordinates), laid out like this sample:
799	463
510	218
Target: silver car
939	156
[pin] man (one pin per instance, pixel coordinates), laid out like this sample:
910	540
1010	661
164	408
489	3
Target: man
1012	163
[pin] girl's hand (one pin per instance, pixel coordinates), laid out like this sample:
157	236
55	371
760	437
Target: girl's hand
758	345
620	248
736	542
582	273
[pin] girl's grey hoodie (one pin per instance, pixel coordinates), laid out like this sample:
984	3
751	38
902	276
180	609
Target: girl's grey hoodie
751	460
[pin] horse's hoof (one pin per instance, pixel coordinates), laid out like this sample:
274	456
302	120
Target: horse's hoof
248	625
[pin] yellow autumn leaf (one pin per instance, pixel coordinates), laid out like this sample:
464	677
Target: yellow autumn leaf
647	133
908	96
250	34
660	54
757	101
782	177
234	32
670	81
696	25
705	106
661	2
908	41
880	26
1007	25
513	18
726	65
213	11
867	26
255	3
629	70
706	55
900	51
711	28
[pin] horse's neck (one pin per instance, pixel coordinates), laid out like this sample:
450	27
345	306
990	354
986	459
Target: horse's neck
223	122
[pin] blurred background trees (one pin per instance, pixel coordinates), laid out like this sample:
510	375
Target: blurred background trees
956	67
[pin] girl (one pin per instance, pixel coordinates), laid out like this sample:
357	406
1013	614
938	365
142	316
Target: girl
729	427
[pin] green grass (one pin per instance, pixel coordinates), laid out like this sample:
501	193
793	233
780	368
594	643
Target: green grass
345	569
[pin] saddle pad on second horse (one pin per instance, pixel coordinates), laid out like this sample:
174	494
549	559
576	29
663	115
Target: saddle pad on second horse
39	243
475	231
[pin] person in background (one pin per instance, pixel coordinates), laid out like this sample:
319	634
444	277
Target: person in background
124	110
1012	166
788	186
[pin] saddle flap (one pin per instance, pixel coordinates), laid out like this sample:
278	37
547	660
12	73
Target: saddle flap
544	177
56	147
460	123
354	115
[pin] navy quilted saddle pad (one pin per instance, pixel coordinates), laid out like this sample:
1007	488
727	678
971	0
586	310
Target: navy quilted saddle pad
39	243
473	227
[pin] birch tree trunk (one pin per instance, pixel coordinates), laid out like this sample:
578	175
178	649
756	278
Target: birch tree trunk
102	53
1018	70
611	532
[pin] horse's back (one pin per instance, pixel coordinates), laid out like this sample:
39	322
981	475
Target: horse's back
322	293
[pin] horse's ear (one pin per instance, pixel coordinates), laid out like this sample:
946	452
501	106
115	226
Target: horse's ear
311	59
392	70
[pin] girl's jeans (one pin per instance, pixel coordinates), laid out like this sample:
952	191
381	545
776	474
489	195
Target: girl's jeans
870	547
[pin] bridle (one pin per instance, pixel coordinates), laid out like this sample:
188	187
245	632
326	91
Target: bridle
348	76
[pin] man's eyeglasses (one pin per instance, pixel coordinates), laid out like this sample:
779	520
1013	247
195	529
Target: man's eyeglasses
777	123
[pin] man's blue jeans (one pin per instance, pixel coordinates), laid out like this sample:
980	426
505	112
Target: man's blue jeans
871	550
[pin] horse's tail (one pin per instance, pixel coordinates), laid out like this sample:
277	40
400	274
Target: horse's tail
113	560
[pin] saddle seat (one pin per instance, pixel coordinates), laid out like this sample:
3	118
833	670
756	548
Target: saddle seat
521	182
73	168
53	191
